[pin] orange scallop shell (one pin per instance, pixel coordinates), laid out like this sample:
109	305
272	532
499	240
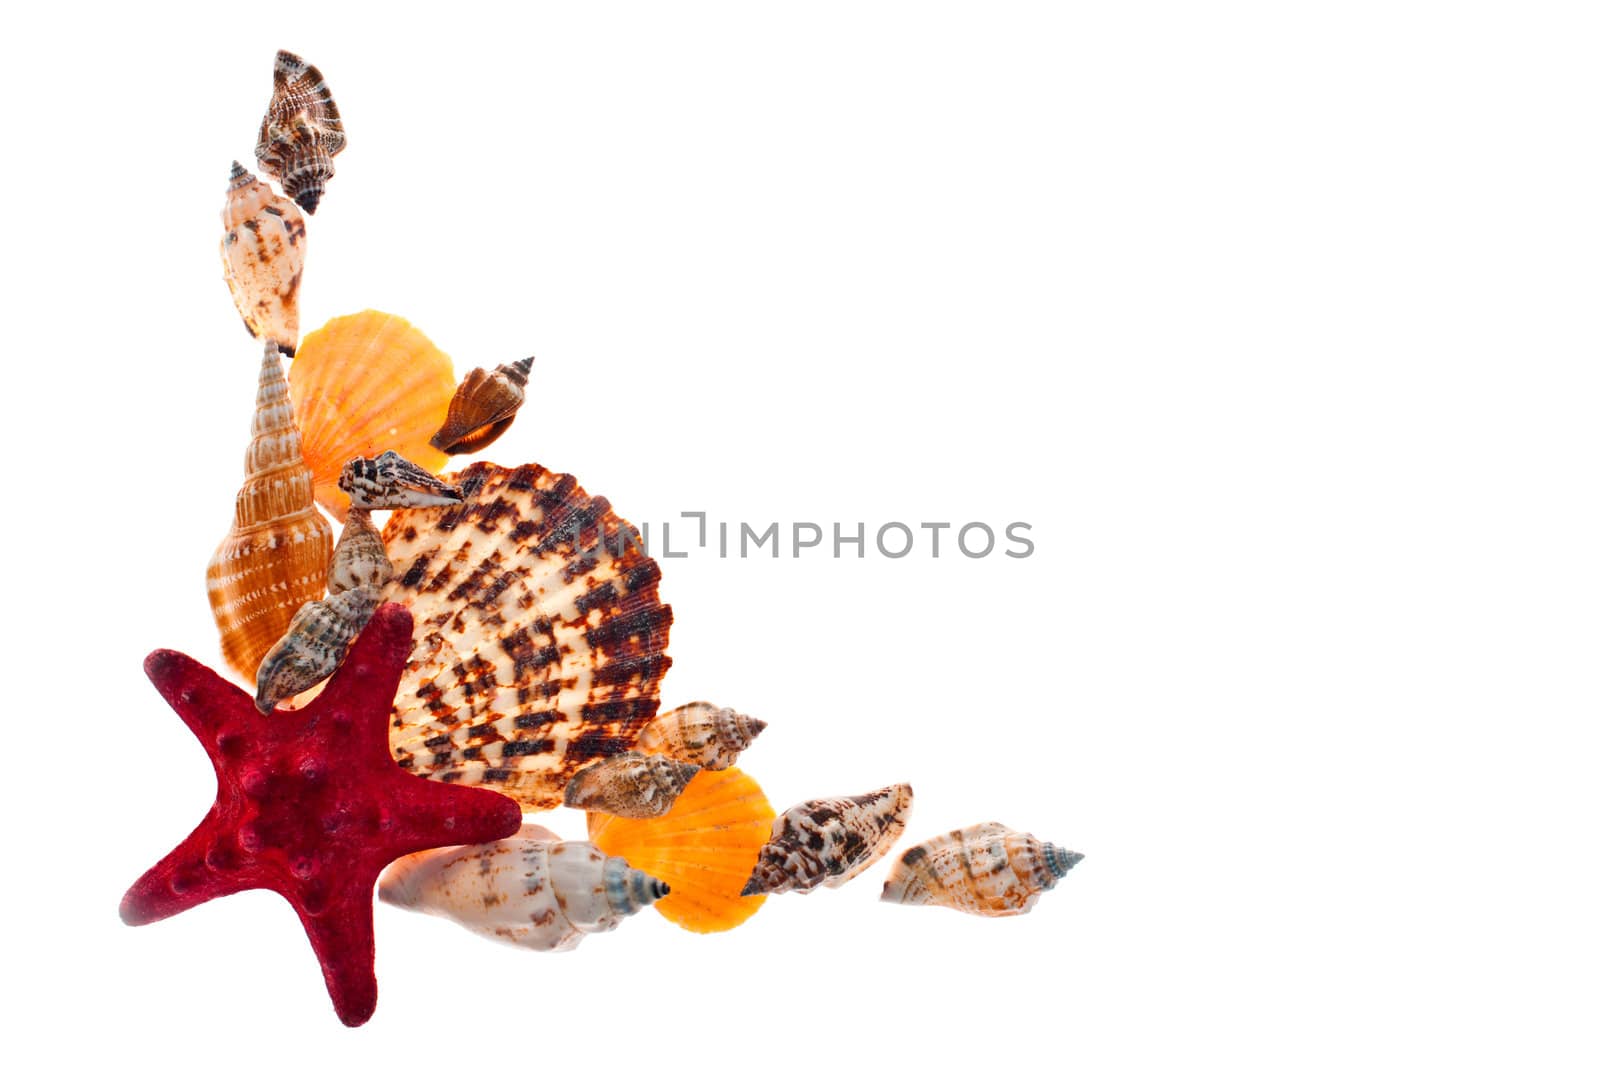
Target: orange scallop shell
363	384
704	848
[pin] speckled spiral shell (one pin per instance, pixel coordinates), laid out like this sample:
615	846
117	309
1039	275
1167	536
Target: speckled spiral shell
315	645
530	889
359	558
263	255
389	481
984	869
702	733
482	408
630	785
363	384
274	558
704	848
301	132
539	647
829	841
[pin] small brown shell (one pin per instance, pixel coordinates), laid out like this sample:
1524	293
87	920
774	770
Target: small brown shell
482	408
702	733
630	785
301	132
985	869
829	841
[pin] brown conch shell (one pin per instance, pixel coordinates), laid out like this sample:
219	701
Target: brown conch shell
540	637
315	645
630	785
531	889
984	869
704	848
829	841
275	556
702	733
263	254
301	132
359	558
483	408
364	384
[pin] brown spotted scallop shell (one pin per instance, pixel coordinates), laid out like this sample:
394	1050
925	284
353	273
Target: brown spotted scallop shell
536	653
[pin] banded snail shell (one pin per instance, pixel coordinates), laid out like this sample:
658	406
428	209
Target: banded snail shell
986	869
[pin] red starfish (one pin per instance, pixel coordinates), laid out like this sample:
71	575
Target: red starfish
311	805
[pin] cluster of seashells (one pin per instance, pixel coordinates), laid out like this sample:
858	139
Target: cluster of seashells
541	639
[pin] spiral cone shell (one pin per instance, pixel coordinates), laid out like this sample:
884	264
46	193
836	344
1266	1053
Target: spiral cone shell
530	889
301	131
984	869
702	733
483	407
363	384
704	848
275	556
315	645
829	841
263	255
541	638
359	558
630	784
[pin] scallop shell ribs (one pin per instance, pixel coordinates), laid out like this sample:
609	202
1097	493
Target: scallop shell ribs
530	889
301	132
705	734
541	639
263	255
829	841
984	869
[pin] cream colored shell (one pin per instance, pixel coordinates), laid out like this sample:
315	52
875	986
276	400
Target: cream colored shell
985	869
263	258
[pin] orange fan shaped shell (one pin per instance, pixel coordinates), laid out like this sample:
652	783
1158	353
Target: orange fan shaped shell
704	848
363	384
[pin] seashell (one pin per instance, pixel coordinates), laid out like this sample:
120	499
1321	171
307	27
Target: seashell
263	254
483	407
274	558
315	645
704	848
702	733
630	785
531	889
541	638
389	481
364	384
359	558
301	132
984	869
829	841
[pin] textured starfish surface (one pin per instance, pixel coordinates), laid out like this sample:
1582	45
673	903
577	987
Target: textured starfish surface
311	805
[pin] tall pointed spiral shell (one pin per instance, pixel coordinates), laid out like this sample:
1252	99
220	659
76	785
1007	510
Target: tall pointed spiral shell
986	869
301	131
702	733
540	636
274	558
363	384
483	408
829	841
263	255
704	848
530	889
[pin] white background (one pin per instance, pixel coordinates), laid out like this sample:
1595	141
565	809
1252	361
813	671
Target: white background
1275	321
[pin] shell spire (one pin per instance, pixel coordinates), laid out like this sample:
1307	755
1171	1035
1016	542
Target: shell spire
274	558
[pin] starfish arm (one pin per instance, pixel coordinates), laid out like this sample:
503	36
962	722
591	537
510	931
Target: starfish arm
341	936
368	678
201	868
432	815
199	696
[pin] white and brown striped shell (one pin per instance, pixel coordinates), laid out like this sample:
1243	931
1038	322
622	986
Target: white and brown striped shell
389	481
984	869
263	256
315	645
531	889
274	558
702	733
829	841
359	558
482	408
301	132
540	637
630	785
